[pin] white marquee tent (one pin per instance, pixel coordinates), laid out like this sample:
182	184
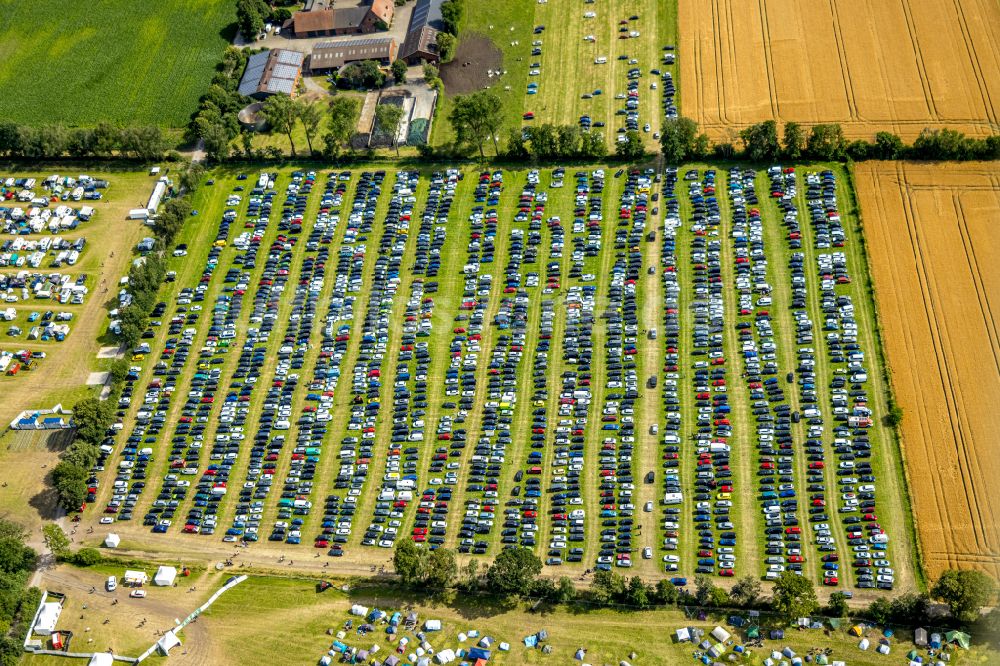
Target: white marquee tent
165	576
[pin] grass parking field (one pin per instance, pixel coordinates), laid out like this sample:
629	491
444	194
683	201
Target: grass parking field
548	73
67	63
931	236
468	359
895	66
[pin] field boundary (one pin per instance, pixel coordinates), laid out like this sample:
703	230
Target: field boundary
901	468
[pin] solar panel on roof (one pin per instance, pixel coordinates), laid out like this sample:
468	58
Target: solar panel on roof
284	72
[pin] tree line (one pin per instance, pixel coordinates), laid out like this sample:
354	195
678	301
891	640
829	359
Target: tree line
17	601
145	142
515	573
680	141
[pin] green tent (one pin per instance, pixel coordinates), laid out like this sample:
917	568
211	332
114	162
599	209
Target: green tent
962	639
912	655
753	632
822	659
834	622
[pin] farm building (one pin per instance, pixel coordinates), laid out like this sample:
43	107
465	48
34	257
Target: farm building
332	55
272	72
365	18
56	418
421	35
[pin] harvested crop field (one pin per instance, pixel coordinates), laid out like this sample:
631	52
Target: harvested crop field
934	243
468	72
870	66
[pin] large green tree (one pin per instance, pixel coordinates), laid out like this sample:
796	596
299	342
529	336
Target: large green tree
760	141
440	569
476	118
631	148
280	112
342	119
794	597
513	571
408	560
250	15
399	71
826	142
310	114
794	140
965	592
677	139
387	118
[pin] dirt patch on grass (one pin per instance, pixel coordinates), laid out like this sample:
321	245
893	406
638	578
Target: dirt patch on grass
475	57
932	241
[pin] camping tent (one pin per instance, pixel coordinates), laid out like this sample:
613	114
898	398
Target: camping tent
883	648
720	634
165	576
432	625
777	634
48	615
863	645
856	630
683	635
101	659
920	637
112	541
822	659
788	652
167	642
959	638
717	650
753	631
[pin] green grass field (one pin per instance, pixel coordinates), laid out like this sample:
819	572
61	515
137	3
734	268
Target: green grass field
79	64
288	612
567	69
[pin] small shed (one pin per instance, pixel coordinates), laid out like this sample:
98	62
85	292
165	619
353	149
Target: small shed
112	540
165	576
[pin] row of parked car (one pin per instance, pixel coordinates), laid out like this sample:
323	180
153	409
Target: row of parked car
156	402
849	409
672	435
776	451
714	483
431	520
575	393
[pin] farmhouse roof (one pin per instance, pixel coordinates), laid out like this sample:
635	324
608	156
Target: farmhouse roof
425	23
337	53
274	71
314	20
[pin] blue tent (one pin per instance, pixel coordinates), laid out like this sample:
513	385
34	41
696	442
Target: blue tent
531	641
479	653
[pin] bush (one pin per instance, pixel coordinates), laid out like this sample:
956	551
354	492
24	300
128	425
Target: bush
86	557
